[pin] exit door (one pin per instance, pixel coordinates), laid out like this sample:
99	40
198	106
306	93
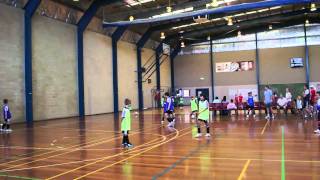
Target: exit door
204	92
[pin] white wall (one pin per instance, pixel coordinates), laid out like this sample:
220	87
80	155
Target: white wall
54	69
98	73
127	76
11	60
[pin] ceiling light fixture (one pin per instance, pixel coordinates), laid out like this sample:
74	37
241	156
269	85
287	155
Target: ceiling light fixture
230	23
162	36
313	7
135	3
173	12
307	22
169	9
182	44
270	27
239	34
131	18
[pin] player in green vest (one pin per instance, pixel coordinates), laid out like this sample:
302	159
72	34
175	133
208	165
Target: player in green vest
126	123
181	102
163	106
203	115
194	107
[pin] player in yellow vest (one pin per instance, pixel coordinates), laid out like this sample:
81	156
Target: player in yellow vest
203	115
126	123
194	107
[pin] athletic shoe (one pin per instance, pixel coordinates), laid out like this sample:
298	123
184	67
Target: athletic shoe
273	117
254	115
208	135
267	117
247	116
317	131
9	130
170	124
198	135
129	145
162	122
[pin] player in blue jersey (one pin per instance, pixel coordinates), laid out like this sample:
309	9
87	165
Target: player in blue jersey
250	108
6	116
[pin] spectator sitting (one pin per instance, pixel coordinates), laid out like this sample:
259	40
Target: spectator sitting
231	106
224	101
282	103
216	100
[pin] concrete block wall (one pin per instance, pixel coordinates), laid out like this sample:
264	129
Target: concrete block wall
55	86
11	60
54	69
98	73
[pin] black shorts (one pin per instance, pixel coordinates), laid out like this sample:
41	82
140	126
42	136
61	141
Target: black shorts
169	112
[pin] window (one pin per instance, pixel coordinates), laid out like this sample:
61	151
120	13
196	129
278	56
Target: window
285	37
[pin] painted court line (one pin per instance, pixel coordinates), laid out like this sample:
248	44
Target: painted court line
165	171
283	165
89	144
152	142
244	169
17	177
103	159
138	154
264	128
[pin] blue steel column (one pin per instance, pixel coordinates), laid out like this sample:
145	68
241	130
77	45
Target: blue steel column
257	66
173	54
115	38
81	26
211	69
30	8
306	50
158	75
140	45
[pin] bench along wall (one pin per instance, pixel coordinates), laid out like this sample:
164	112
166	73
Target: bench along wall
274	69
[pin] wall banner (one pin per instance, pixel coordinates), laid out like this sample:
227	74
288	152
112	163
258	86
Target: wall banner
234	66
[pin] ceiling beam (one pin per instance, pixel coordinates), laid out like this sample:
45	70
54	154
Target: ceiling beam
205	32
254	29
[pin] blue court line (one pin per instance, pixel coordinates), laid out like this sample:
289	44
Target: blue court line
165	171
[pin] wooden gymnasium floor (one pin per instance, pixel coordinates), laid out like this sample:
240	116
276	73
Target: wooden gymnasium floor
240	149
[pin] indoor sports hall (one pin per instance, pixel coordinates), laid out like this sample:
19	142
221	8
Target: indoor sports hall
159	89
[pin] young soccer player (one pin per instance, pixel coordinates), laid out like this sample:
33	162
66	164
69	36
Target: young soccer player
169	110
231	106
194	107
203	115
250	102
318	109
164	107
126	123
181	102
6	116
299	105
268	99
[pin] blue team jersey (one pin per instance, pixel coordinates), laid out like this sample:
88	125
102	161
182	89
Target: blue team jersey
165	106
250	101
6	112
170	104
